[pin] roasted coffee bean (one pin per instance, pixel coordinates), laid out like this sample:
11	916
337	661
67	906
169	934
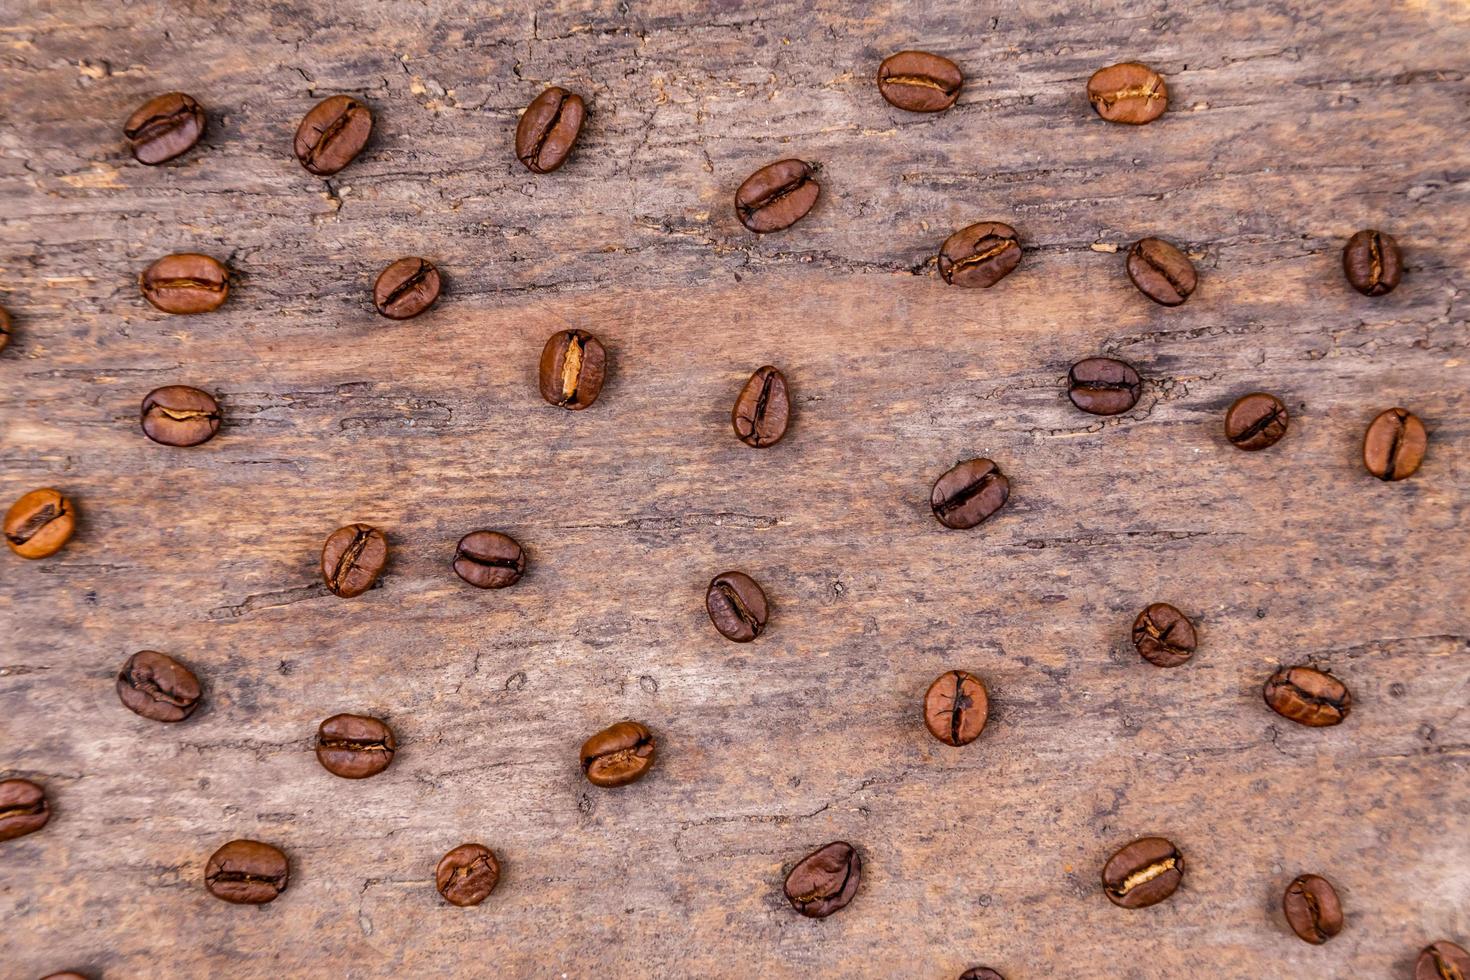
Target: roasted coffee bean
919	81
164	127
353	558
467	875
1307	696
1443	960
332	134
956	707
1143	873
489	559
1161	272
1103	386
1256	421
969	493
247	872
548	129
777	196
980	256
406	288
66	976
618	755
38	524
1128	93
1394	444
1312	909
354	746
737	606
1163	635
23	808
5	329
825	880
762	409
185	283
573	364
177	415
981	973
1372	262
158	687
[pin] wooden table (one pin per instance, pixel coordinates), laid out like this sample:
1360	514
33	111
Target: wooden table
1290	126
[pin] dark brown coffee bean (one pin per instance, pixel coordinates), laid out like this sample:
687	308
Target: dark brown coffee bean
467	875
1372	262
573	365
1312	909
1103	386
956	707
1256	421
39	523
247	872
177	415
1163	635
825	880
737	606
406	288
185	283
1128	93
1307	696
23	808
919	81
158	687
1161	272
164	127
618	755
1143	873
777	195
332	134
354	746
981	973
548	129
1443	960
980	256
5	329
969	494
489	559
762	409
353	558
1394	445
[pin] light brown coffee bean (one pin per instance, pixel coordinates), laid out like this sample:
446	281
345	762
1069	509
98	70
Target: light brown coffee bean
185	283
39	523
1128	93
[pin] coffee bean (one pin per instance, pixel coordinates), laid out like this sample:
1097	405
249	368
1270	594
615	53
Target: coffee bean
66	976
406	288
1312	909
1443	960
1143	873
354	746
618	755
980	256
247	872
969	494
762	409
1103	386
825	880
185	283
1128	93
467	875
1161	272
548	129
1163	635
919	81
489	559
573	364
1372	262
956	707
981	973
5	329
777	195
177	415
39	523
1394	445
1256	421
737	606
164	127
332	134
1307	696
158	687
353	558
23	808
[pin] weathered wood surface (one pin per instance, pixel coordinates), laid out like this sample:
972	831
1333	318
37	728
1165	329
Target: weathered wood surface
1291	126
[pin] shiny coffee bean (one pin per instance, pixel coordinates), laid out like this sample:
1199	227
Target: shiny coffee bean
158	687
1309	697
489	559
981	973
406	288
247	872
737	606
164	127
1256	421
573	365
1394	445
1443	960
185	283
177	415
1163	635
353	558
39	523
825	880
777	196
969	494
919	81
1372	263
618	755
1161	272
763	409
332	134
1143	873
5	329
354	746
1128	93
956	707
23	808
467	875
1103	386
548	129
1312	909
980	256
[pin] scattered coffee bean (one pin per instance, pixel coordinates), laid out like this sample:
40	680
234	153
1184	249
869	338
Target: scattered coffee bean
66	976
1103	386
354	746
980	256
1307	696
158	687
23	808
185	283
1161	272
38	524
919	81
1394	444
618	755
1128	93
548	129
467	875
177	415
332	134
981	973
825	880
956	707
777	196
489	559
1143	873
762	409
1372	263
164	127
969	494
1443	960
1256	421
353	558
1163	635
573	364
247	872
5	329
1312	909
737	606
406	288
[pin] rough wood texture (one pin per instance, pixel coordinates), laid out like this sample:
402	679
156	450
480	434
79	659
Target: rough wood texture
1291	127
